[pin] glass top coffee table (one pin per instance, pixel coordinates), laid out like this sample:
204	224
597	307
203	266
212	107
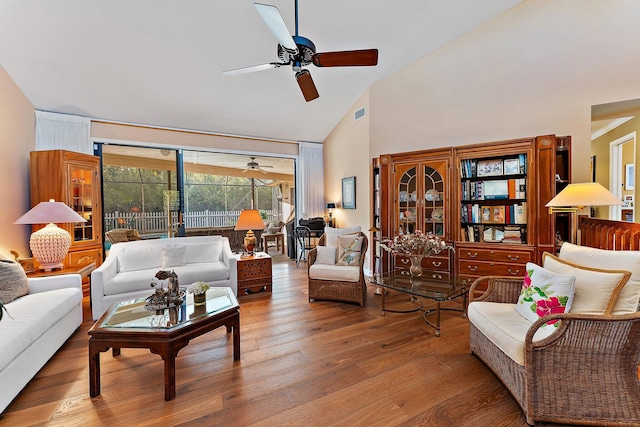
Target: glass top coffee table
421	288
129	324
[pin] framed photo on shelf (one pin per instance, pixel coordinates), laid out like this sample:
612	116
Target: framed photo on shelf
349	192
493	167
628	201
485	214
497	214
511	166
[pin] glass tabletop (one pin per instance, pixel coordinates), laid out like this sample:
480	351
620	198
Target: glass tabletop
133	314
440	290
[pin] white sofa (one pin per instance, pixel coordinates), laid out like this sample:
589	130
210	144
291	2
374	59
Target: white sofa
40	324
130	267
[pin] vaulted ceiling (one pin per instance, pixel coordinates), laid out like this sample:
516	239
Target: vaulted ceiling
159	62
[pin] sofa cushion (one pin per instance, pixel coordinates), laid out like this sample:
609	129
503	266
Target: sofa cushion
13	280
627	301
31	317
596	290
342	273
504	327
140	280
332	234
139	258
203	252
173	256
349	247
326	255
544	292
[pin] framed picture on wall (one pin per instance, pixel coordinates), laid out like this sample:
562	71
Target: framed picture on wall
629	177
349	192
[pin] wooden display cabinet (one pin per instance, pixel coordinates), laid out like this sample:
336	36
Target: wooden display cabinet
72	178
254	274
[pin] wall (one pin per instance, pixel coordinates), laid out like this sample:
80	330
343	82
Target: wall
17	139
347	147
536	69
601	150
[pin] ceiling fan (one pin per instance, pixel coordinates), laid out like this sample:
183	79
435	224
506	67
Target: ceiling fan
299	51
255	166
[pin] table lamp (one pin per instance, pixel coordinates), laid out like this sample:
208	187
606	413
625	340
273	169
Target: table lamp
50	244
575	197
331	206
249	220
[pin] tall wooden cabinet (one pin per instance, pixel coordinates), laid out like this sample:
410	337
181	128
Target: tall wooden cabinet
488	199
72	178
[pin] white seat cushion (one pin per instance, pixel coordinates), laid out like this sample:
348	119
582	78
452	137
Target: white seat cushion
504	327
32	316
628	297
343	273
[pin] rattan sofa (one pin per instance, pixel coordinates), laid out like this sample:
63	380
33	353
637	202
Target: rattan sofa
586	372
338	290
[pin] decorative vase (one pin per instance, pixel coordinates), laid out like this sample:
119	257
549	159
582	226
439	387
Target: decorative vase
200	299
416	265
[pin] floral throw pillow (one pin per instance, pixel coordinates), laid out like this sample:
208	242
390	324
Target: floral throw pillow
544	292
349	248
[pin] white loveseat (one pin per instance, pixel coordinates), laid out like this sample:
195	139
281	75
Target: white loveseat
40	323
130	267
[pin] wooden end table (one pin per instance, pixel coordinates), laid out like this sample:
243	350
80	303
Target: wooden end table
165	332
254	274
276	237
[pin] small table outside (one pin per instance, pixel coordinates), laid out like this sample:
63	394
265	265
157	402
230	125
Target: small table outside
276	237
424	287
165	332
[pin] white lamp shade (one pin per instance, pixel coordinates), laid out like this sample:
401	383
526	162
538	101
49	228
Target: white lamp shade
584	194
51	211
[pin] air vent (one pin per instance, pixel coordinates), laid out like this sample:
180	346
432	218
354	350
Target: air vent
359	114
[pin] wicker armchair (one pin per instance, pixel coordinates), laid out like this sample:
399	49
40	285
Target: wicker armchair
338	290
587	372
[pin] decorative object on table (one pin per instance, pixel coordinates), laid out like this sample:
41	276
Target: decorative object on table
199	291
575	197
249	220
415	246
51	243
168	297
349	192
331	206
26	263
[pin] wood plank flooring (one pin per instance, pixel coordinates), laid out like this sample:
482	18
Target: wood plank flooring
314	364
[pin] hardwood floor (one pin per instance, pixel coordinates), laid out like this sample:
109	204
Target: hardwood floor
321	363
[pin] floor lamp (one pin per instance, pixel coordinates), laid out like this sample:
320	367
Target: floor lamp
575	197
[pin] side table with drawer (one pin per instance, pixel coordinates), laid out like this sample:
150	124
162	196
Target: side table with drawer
254	274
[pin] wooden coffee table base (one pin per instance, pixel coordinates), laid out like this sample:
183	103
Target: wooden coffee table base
165	343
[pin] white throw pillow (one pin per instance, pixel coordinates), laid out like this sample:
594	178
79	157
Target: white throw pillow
596	290
203	252
349	248
139	258
173	256
332	234
619	260
326	255
544	292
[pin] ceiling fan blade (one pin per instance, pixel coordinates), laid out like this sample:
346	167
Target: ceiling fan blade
252	69
347	58
307	86
272	17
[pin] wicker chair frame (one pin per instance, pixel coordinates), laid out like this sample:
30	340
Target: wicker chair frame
586	373
335	290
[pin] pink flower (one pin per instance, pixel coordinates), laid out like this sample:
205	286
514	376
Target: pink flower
527	279
549	306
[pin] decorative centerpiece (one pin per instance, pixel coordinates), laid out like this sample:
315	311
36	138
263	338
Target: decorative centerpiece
168	297
199	291
416	246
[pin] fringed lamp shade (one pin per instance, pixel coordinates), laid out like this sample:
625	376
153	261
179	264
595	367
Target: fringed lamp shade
50	244
249	220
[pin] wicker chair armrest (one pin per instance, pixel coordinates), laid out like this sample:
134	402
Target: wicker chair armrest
504	289
311	257
589	365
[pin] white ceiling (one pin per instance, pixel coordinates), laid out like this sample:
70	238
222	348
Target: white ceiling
158	62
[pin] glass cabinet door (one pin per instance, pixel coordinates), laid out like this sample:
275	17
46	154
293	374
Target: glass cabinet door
407	202
432	199
82	186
